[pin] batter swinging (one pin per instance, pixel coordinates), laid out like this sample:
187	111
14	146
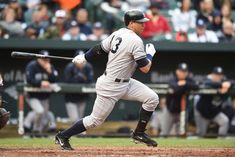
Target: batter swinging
125	52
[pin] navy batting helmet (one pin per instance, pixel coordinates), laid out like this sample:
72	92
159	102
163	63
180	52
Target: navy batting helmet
134	15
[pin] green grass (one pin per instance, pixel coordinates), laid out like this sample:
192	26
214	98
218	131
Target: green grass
76	142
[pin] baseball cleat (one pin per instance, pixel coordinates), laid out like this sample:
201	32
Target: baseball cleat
142	137
63	142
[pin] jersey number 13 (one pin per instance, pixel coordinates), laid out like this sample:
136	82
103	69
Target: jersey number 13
116	45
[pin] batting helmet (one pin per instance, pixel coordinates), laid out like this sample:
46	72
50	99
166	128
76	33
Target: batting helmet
134	15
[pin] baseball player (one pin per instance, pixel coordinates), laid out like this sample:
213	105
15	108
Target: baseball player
40	73
209	107
181	83
125	52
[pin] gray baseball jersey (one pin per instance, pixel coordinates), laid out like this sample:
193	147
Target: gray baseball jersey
124	47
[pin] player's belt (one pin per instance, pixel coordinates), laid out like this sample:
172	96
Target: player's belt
117	79
121	80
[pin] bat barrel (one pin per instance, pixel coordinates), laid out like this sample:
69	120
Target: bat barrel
16	54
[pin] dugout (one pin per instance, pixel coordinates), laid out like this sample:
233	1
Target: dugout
200	57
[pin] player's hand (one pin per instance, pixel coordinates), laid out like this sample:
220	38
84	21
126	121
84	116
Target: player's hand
45	84
226	84
47	67
150	49
225	87
181	82
79	59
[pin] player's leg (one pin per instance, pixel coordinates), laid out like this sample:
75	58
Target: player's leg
167	122
81	108
51	123
222	120
72	111
28	121
201	123
101	109
45	119
139	92
38	109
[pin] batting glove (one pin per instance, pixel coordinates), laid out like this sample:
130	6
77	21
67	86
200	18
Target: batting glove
150	50
79	59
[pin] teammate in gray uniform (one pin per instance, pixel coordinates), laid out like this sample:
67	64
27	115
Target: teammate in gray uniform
125	51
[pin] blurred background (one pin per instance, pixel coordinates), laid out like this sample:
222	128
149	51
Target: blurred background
200	33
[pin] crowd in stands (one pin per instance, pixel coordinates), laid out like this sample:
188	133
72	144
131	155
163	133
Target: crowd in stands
175	20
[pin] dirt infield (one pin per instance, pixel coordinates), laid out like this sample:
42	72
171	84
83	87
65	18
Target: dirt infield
118	152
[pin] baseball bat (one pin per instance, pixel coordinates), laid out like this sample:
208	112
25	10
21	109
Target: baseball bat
17	54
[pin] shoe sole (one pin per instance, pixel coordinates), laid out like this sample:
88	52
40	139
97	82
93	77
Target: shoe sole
137	142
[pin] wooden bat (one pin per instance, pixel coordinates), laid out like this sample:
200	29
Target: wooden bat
26	55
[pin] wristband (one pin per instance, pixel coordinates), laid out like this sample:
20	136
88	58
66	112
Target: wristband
150	57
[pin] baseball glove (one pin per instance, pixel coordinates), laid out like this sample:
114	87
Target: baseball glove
4	117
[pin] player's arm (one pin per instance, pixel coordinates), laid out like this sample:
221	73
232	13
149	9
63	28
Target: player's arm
145	64
89	55
30	73
94	52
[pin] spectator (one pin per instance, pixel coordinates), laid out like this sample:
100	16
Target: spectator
14	4
113	13
57	29
206	11
228	32
40	73
181	36
183	18
209	107
10	24
158	24
229	111
31	6
226	13
68	4
31	32
32	3
79	74
181	83
73	32
163	4
40	20
98	32
83	23
217	24
142	5
202	35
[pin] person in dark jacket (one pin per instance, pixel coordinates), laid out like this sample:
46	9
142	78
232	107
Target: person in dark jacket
40	73
209	107
180	84
79	74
